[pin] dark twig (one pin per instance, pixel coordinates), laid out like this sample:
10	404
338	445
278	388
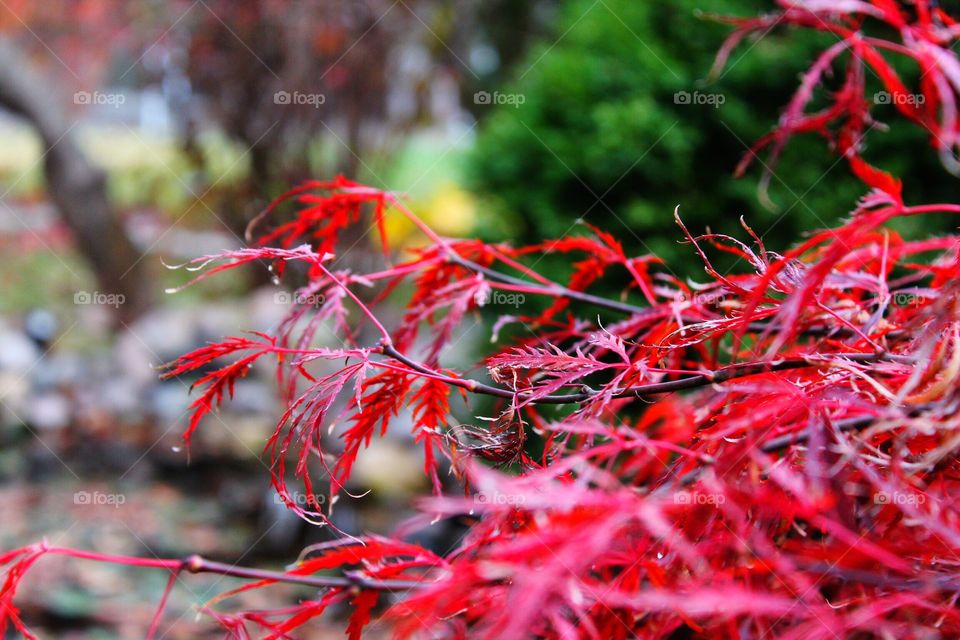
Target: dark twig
690	382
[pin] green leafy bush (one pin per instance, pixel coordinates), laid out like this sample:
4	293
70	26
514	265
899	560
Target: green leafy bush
603	133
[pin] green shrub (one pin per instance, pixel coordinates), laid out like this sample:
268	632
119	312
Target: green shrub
599	135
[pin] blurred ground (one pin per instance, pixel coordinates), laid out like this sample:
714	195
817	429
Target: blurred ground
91	458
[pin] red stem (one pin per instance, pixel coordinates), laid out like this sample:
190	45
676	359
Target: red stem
364	308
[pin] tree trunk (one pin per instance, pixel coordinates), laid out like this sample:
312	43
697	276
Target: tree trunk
76	186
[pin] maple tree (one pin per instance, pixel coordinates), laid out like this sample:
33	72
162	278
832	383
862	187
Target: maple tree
771	452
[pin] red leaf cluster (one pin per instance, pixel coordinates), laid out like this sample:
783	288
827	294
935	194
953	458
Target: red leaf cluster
771	451
924	35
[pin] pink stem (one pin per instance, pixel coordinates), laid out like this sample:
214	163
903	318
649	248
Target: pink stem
366	310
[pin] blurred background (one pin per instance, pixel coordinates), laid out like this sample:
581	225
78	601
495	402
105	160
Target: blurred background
139	133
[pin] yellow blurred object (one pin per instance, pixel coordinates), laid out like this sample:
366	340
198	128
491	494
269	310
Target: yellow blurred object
449	210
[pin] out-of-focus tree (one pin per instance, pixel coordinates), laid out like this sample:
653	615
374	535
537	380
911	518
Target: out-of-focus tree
33	86
277	75
302	88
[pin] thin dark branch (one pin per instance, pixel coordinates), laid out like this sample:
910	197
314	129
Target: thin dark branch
654	388
780	443
198	564
627	308
555	289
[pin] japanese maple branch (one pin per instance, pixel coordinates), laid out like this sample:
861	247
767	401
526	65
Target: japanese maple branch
781	443
689	382
199	564
858	423
554	289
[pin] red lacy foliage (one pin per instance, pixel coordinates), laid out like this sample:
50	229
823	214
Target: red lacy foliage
771	452
330	207
924	34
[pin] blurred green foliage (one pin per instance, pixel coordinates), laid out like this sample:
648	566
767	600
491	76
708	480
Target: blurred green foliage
602	136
